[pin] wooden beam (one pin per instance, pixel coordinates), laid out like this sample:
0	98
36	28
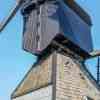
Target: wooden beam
79	10
12	13
95	53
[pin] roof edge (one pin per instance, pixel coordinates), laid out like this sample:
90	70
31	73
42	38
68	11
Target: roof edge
79	10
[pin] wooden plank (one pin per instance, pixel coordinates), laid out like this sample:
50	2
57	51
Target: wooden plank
72	82
41	94
39	76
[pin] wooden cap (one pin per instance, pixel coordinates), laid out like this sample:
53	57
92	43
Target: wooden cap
79	11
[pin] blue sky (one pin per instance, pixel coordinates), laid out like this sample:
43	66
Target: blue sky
14	62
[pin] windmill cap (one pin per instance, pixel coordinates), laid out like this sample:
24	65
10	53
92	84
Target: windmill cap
79	10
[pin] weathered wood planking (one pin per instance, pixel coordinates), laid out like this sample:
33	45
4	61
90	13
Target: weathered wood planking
39	76
54	21
68	76
72	82
30	32
41	94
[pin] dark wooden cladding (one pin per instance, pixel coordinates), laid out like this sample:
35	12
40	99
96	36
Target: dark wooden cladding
75	7
46	21
49	28
30	32
39	29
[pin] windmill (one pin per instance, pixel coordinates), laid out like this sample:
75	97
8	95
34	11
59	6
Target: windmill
50	25
51	22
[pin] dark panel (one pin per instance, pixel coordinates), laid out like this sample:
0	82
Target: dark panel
49	24
51	19
80	31
30	33
78	10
